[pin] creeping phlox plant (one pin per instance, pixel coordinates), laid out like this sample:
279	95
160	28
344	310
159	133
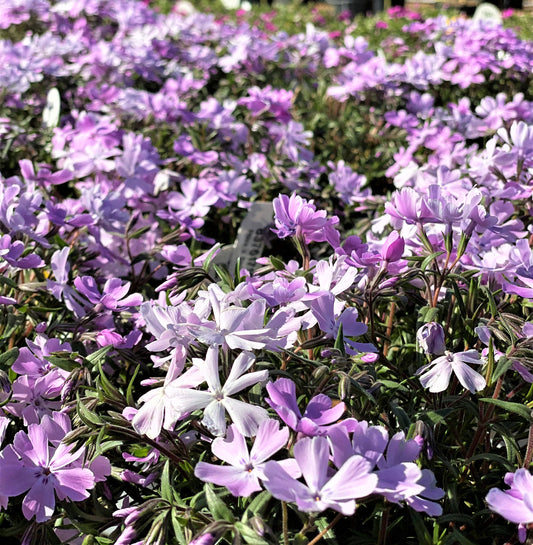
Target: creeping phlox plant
263	287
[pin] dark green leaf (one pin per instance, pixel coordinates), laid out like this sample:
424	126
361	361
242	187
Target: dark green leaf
166	486
516	408
218	508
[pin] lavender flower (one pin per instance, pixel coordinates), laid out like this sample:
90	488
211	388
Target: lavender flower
319	412
296	217
31	465
514	504
353	480
242	475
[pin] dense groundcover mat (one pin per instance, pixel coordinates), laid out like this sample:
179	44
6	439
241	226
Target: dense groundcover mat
263	287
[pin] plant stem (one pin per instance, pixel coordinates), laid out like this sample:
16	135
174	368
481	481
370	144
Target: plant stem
285	523
529	451
383	527
325	530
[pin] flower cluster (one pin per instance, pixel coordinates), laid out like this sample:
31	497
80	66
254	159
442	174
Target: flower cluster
263	283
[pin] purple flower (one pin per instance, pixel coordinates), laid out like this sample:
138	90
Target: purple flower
436	375
11	251
430	337
393	247
514	504
113	296
330	318
296	217
60	288
241	476
353	480
32	465
319	412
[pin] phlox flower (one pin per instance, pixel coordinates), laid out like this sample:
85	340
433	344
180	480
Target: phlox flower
31	465
436	374
11	251
353	480
113	294
158	410
216	400
59	287
331	315
296	217
241	476
514	504
319	413
399	478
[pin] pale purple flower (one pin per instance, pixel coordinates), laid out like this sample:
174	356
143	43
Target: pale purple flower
353	480
399	478
436	375
241	476
32	466
31	398
331	315
59	287
158	409
514	504
430	337
113	294
296	217
393	247
318	416
234	327
217	399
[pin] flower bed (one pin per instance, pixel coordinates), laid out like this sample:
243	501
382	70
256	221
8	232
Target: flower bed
263	287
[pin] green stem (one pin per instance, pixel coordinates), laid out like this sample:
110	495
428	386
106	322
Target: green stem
325	530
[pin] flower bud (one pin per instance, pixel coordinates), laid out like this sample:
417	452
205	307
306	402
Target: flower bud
430	337
393	247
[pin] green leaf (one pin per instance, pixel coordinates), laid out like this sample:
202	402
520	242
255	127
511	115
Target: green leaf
249	535
429	259
217	507
224	275
329	536
458	537
258	505
166	486
401	416
437	417
129	392
8	358
66	364
517	408
277	263
98	356
177	527
339	341
107	388
459	298
8	282
428	314
86	416
503	365
422	534
501	460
